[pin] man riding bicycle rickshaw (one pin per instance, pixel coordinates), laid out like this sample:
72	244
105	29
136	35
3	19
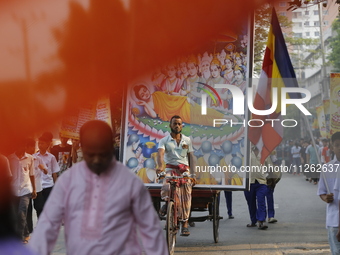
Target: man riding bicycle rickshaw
175	157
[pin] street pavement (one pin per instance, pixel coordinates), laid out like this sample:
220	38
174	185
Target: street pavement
300	228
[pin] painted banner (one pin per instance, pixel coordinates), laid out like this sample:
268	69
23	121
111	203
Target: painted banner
71	124
315	124
103	110
321	121
176	88
335	102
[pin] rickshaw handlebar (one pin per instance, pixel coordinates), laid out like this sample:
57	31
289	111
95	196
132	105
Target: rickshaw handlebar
184	175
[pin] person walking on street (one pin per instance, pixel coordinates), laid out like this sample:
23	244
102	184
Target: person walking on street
104	207
272	179
39	169
23	182
296	157
256	196
312	160
51	163
330	178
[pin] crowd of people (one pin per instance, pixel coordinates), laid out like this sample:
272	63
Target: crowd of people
33	169
329	187
36	168
44	177
303	158
318	161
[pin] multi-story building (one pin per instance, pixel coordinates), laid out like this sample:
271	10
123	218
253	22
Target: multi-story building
306	24
309	61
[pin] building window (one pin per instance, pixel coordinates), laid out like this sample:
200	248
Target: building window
306	12
297	15
307	33
283	13
316	12
306	23
325	12
298	35
317	33
325	23
316	23
282	4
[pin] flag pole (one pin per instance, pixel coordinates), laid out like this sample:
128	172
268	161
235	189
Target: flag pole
317	153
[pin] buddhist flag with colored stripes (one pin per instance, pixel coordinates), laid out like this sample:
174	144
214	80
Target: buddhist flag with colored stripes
277	71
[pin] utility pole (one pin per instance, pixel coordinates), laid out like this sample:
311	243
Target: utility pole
27	61
324	89
23	23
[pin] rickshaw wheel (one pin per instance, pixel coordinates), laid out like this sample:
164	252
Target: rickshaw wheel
216	218
171	228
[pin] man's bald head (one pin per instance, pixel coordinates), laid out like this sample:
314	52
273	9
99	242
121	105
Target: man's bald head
96	127
96	140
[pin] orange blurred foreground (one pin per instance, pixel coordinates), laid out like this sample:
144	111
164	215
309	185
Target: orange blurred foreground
61	54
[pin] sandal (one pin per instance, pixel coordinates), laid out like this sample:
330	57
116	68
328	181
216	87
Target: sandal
251	225
162	211
185	232
192	224
262	226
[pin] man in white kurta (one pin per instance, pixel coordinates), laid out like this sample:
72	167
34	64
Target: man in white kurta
101	203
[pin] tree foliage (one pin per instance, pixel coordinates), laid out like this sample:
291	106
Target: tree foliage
335	46
262	25
299	55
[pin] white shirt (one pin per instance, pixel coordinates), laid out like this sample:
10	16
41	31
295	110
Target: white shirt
296	151
332	213
21	170
52	167
176	154
38	172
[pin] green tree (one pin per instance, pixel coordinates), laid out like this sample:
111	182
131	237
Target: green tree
335	46
298	56
262	24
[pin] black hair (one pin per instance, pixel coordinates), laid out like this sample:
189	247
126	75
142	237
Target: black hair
46	137
137	88
175	117
335	136
30	142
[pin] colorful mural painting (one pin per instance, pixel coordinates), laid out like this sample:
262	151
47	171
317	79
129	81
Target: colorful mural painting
176	89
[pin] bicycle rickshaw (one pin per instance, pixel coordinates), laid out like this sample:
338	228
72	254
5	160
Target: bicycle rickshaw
202	199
